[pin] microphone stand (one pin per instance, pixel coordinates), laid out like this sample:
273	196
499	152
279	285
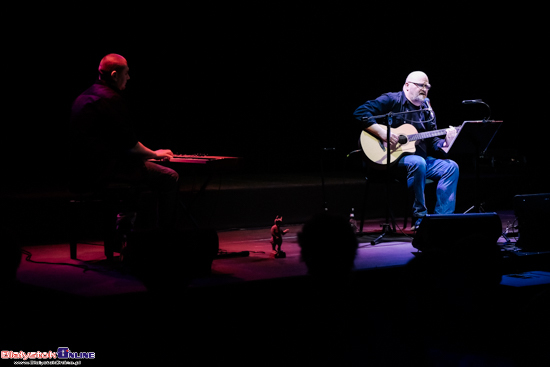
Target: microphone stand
386	229
479	101
478	206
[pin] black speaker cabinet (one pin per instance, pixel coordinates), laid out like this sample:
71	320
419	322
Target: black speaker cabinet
171	257
533	214
457	232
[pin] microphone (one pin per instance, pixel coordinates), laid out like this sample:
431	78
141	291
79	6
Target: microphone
475	101
472	101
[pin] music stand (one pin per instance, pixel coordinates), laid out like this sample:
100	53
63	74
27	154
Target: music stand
474	136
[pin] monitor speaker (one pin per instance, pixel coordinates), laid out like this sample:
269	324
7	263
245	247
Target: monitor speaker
475	231
162	258
533	214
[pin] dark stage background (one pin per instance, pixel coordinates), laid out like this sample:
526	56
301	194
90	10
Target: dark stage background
272	83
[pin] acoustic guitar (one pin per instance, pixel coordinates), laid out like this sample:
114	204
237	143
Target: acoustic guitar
376	150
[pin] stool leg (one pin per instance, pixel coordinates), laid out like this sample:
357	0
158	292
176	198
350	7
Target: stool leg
72	249
108	246
365	197
408	208
109	223
73	212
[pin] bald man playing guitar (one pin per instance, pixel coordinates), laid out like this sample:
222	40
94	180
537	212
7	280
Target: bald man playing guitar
416	145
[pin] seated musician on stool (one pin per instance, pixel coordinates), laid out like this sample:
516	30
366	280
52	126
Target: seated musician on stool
429	160
106	149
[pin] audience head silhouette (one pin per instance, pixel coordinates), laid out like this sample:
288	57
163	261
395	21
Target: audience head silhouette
328	245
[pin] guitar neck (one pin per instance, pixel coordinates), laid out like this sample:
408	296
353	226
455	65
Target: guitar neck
427	134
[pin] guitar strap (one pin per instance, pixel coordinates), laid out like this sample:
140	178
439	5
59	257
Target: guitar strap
419	121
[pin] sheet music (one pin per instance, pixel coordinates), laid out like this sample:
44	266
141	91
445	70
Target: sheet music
458	128
478	136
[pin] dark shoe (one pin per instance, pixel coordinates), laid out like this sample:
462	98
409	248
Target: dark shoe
417	224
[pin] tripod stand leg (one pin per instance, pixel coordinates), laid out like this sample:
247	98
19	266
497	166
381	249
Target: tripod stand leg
385	231
478	209
387	228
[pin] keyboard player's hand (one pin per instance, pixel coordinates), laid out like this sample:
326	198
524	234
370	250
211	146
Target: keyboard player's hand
164	154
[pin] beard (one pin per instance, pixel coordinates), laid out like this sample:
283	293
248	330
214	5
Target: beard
420	98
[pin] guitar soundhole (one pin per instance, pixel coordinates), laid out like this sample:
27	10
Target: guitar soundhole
382	146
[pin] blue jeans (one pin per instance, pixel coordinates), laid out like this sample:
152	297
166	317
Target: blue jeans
444	171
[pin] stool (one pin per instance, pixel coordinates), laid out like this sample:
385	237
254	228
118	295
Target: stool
397	179
108	202
401	184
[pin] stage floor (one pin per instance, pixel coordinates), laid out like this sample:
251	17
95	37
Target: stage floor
91	275
252	309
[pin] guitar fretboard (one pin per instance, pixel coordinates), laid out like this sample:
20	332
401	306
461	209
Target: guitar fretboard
427	134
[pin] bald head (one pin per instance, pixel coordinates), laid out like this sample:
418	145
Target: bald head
113	68
416	76
416	87
110	63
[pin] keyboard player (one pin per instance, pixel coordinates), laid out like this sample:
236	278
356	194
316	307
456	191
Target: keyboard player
105	148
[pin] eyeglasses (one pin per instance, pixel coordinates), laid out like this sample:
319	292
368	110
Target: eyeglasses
425	86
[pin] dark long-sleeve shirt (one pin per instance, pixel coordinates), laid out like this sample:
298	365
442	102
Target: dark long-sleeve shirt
398	102
102	135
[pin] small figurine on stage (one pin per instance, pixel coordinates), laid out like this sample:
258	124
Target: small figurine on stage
277	238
